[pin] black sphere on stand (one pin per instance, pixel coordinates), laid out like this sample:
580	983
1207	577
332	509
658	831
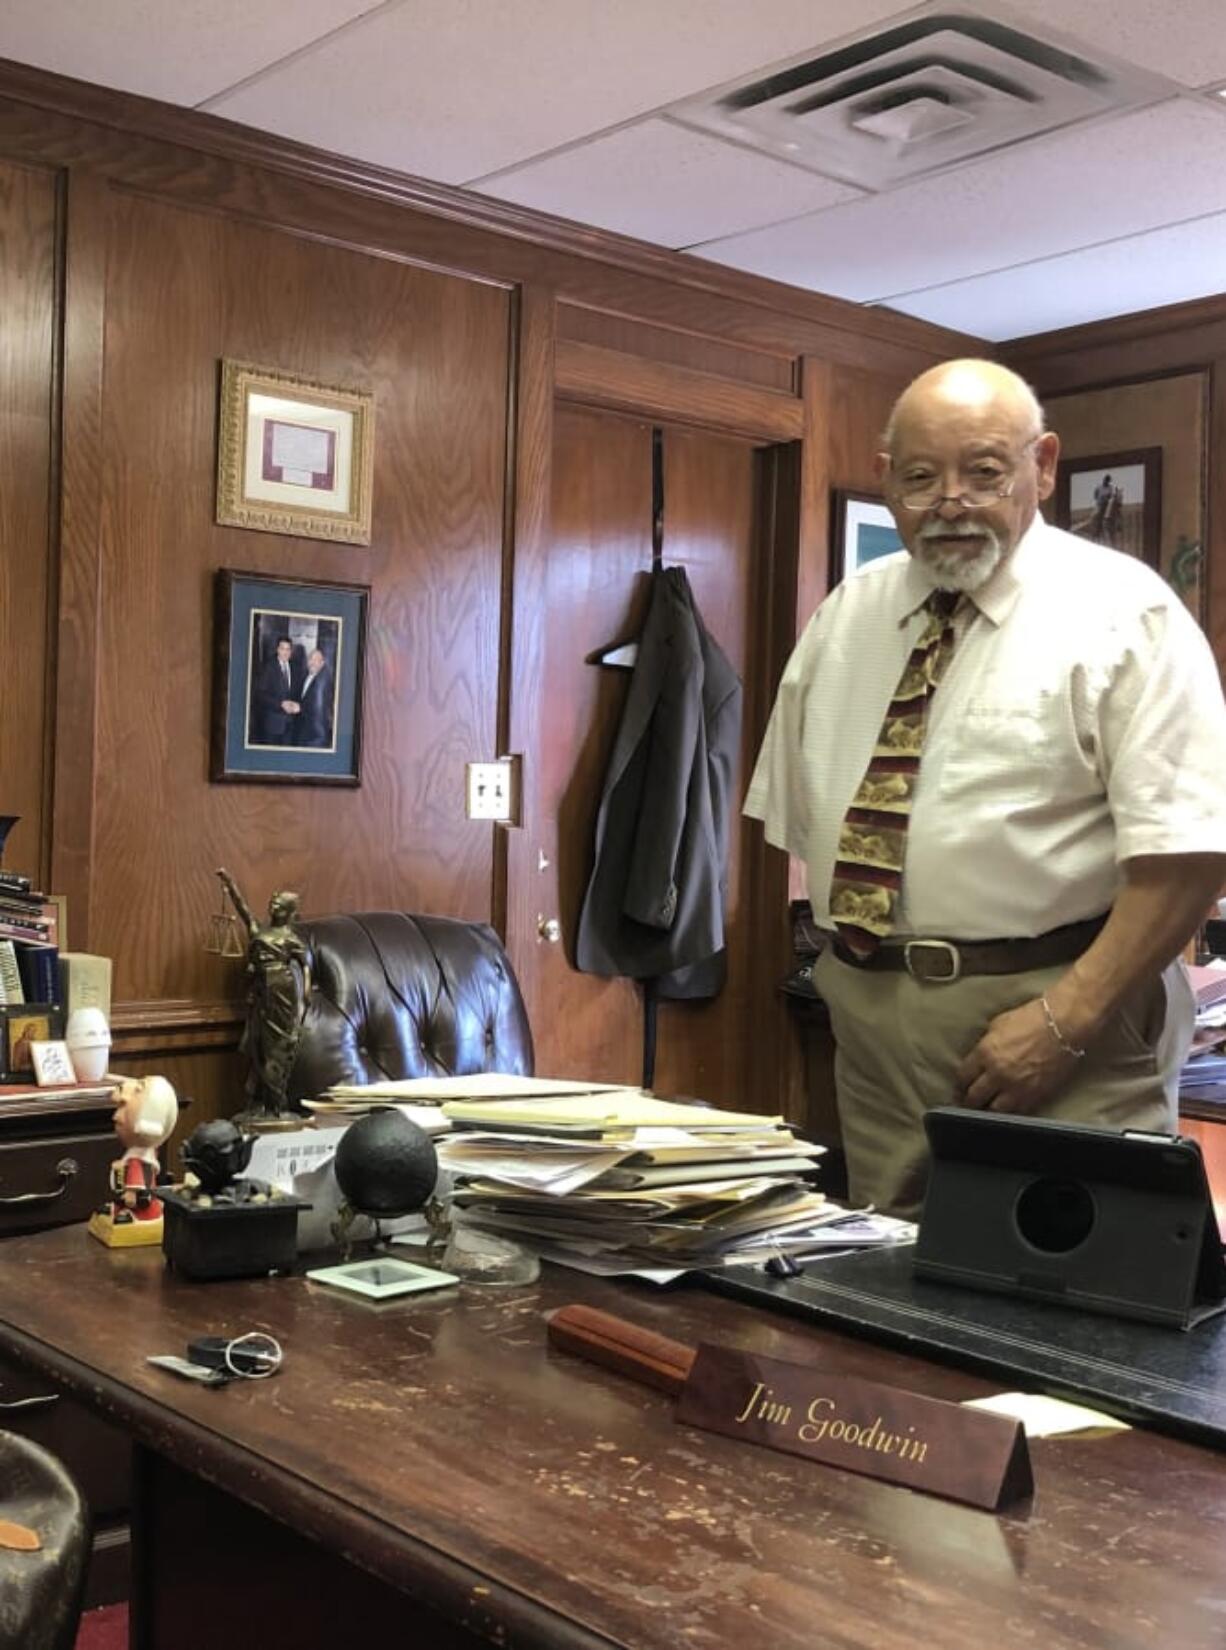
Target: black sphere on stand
386	1167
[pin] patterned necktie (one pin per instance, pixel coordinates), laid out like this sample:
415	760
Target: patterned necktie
867	881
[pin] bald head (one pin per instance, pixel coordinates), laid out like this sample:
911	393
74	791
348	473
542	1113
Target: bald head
965	465
983	388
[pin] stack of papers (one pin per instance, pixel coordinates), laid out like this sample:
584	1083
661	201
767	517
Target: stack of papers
421	1097
618	1180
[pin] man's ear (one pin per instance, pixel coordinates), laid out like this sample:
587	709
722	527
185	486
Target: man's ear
881	467
1047	453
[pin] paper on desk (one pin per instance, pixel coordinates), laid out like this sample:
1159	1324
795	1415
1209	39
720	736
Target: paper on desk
282	1158
557	1173
707	1202
327	1112
1045	1417
611	1109
487	1085
647	1147
834	1228
563	1168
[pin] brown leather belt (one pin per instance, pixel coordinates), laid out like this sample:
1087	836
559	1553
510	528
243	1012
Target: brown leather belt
940	962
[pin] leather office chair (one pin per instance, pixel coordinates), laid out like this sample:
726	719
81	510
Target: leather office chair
40	1592
394	995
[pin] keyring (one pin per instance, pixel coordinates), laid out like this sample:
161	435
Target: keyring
267	1350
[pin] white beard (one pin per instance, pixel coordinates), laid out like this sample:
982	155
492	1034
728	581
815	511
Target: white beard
946	569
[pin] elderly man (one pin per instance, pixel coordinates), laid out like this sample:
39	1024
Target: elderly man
1006	896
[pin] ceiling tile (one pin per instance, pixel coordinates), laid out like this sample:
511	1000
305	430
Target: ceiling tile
1167	266
182	52
1185	39
1087	184
456	89
666	184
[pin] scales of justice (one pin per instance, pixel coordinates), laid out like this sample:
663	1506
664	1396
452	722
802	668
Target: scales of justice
278	987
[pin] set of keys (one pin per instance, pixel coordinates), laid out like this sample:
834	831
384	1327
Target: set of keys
216	1360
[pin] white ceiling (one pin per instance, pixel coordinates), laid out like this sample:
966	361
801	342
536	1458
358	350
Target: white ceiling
563	105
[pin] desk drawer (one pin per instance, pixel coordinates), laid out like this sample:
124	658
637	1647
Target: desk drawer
97	1454
53	1182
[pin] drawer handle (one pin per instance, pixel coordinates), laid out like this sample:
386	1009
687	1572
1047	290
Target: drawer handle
66	1168
40	1400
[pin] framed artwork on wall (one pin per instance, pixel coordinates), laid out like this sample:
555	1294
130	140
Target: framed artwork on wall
294	456
1114	499
862	531
287	680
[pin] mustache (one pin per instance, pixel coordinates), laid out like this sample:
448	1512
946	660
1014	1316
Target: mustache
951	530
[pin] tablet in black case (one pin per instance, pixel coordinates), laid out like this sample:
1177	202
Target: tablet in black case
1115	1223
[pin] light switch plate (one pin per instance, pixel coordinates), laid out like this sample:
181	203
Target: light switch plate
491	790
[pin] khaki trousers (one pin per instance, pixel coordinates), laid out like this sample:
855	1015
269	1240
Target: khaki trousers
899	1042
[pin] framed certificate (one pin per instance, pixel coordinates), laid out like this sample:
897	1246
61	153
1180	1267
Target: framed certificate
294	456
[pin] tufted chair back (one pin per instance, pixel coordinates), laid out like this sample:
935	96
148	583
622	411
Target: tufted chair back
394	995
40	1592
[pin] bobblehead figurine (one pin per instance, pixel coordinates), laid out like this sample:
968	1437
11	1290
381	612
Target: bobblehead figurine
146	1111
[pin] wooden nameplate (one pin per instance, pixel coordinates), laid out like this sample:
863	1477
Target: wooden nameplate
927	1444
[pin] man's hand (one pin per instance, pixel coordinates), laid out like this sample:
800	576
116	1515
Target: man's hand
1016	1064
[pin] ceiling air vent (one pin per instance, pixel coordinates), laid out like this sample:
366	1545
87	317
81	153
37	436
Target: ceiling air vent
938	87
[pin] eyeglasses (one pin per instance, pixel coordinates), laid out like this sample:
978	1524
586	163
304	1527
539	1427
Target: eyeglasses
919	488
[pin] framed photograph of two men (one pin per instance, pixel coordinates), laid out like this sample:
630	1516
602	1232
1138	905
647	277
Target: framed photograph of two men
287	680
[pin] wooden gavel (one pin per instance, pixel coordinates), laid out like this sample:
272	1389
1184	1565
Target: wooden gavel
616	1344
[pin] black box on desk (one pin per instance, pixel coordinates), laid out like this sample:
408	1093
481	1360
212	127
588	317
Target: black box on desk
229	1240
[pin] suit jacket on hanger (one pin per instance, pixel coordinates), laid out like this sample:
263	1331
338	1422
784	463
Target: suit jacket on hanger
654	907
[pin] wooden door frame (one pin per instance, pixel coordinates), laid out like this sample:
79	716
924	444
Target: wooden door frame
548	372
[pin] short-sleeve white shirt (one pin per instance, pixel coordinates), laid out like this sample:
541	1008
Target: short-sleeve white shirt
1080	723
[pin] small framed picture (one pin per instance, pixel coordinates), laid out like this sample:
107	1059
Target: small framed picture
52	1064
862	531
287	680
1114	499
294	456
380	1278
22	1025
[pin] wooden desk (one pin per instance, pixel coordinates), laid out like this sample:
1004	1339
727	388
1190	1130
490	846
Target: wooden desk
55	1157
427	1473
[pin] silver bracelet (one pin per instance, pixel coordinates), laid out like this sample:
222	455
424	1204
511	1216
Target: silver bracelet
1077	1053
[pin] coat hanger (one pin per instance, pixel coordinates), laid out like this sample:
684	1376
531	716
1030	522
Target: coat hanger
624	655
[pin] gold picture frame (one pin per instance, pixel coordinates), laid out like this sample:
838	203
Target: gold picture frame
294	456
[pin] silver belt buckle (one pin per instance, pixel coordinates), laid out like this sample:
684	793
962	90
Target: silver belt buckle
946	947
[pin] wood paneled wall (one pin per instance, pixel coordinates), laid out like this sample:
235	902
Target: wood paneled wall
1168	413
1156	343
28	487
184	289
141	245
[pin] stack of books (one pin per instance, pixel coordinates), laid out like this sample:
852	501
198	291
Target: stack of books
29	942
618	1180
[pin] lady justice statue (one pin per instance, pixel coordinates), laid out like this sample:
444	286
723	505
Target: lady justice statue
278	983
